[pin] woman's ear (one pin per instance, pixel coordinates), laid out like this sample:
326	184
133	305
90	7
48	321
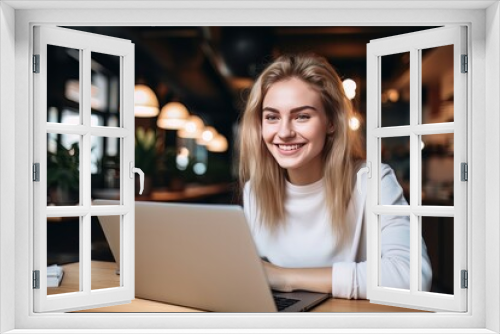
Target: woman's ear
331	129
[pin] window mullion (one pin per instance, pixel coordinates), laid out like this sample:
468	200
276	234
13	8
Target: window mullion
394	131
85	264
415	167
414	249
82	250
67	129
66	211
85	112
430	129
372	147
85	170
421	129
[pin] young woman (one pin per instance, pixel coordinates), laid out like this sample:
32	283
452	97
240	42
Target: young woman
298	162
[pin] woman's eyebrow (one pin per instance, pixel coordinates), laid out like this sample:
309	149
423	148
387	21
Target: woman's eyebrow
299	109
294	110
270	109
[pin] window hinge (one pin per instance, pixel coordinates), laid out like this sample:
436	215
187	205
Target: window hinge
465	279
464	171
36	63
36	172
465	64
36	279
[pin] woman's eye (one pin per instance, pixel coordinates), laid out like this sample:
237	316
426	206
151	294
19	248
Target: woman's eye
303	117
271	117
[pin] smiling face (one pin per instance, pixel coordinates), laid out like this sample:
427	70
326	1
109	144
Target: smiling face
294	129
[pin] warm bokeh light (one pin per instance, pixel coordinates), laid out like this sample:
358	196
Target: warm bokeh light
182	159
173	116
192	128
354	123
349	88
393	95
207	135
218	144
145	102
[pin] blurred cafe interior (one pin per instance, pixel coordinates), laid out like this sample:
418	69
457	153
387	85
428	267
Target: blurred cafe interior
191	84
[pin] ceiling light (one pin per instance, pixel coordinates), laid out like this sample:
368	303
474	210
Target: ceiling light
173	116
145	102
218	144
207	135
192	128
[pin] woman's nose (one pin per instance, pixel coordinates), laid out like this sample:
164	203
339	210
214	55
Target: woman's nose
286	130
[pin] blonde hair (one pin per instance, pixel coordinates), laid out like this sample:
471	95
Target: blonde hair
342	152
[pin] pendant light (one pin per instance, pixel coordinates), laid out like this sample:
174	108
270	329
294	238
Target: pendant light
173	116
145	102
192	128
207	135
218	144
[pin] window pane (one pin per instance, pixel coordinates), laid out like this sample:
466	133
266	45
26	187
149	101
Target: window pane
395	99
63	83
437	85
105	168
105	90
112	145
437	169
394	252
63	169
437	233
70	116
63	252
396	154
105	251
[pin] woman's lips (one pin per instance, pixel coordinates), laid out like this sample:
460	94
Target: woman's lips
289	148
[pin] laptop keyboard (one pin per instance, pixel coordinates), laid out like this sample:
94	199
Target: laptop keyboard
283	303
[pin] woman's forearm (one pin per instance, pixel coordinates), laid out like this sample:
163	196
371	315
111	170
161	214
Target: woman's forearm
311	279
291	279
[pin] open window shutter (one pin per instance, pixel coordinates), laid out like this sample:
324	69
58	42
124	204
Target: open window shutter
417	46
64	154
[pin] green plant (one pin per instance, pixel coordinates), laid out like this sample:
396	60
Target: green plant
145	150
63	169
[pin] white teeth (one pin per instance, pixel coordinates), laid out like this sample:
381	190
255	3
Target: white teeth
290	147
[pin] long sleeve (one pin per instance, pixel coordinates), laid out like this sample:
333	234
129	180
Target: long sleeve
307	241
349	278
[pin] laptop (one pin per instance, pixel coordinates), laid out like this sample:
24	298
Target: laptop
200	256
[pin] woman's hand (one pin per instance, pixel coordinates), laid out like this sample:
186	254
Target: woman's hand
277	277
290	279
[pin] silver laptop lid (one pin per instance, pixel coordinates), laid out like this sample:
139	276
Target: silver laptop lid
195	255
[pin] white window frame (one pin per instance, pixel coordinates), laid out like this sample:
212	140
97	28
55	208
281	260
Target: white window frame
85	43
413	43
483	123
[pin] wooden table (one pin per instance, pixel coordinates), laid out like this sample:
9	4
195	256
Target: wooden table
189	193
104	276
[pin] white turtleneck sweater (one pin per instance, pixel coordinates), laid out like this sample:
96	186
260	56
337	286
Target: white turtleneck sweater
307	241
